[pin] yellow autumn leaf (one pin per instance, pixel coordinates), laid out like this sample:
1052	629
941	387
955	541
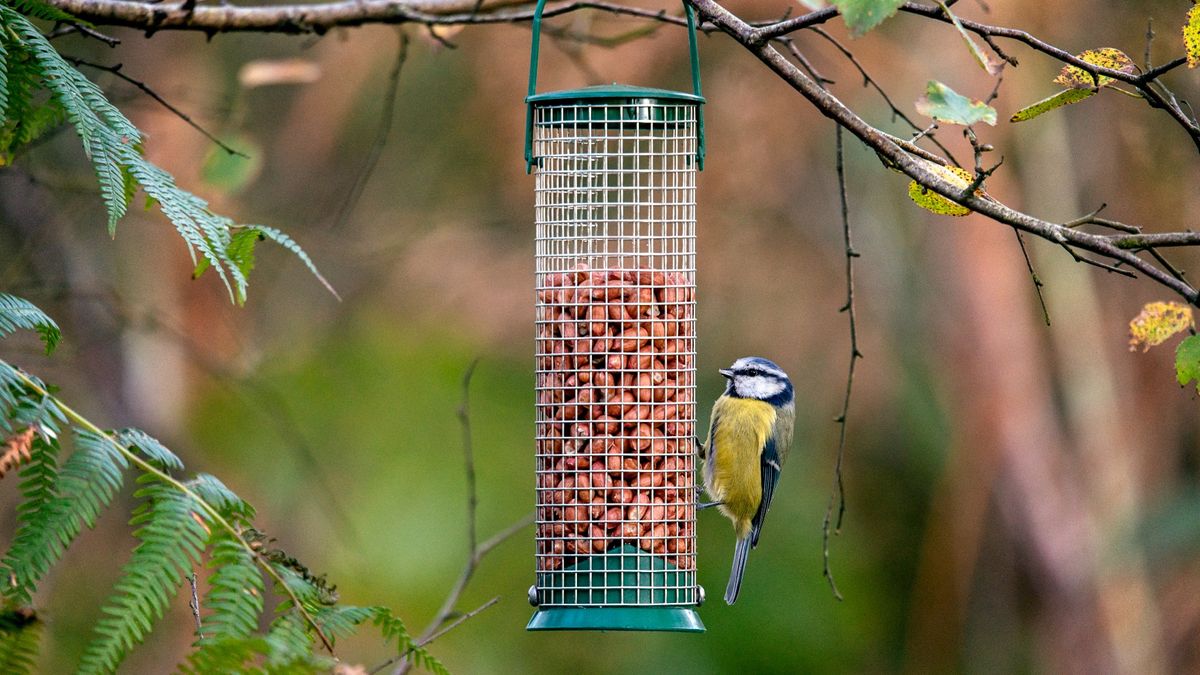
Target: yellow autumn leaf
1157	323
1191	36
932	201
1106	57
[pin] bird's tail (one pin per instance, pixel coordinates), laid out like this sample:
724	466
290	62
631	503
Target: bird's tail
740	552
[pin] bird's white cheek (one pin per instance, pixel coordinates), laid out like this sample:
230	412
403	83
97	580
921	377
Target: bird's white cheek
760	387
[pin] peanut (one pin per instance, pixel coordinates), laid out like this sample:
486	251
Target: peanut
615	414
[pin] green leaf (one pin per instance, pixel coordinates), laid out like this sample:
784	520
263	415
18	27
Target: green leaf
19	313
1191	36
946	105
863	15
1187	361
1065	97
935	203
1107	57
230	173
989	63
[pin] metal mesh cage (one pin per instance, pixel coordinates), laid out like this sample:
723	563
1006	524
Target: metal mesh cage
616	343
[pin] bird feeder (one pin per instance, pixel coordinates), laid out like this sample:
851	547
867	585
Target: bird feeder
615	183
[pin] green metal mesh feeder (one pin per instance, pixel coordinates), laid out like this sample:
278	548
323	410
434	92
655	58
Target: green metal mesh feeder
615	184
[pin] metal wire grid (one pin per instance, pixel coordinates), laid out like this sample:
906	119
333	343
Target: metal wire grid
616	261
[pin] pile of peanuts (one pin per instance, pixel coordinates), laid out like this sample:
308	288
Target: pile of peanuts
615	415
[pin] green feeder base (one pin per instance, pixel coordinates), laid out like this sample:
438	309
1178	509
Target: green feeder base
676	619
624	589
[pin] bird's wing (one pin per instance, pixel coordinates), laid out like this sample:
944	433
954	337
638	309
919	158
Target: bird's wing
770	467
709	451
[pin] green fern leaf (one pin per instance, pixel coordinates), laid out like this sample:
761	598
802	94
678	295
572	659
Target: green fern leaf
114	146
285	241
3	81
19	313
235	597
45	11
289	639
20	632
85	485
149	446
215	494
172	531
392	628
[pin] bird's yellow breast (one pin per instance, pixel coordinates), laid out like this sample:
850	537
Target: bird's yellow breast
732	473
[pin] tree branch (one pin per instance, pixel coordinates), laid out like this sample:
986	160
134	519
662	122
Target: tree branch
319	18
898	158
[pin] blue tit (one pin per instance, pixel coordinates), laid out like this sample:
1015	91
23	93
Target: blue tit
748	440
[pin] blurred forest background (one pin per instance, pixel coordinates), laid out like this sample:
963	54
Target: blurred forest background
1020	497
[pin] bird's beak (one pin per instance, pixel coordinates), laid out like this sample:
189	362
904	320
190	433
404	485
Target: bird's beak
726	372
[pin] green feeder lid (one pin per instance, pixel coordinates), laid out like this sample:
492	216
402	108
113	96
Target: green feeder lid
612	105
614	94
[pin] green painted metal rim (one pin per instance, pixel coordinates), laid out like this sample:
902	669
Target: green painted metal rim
614	92
670	619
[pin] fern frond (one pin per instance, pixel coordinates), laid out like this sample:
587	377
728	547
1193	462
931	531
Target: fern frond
20	633
18	313
392	628
48	524
114	146
291	647
3	81
171	530
156	452
45	11
235	597
20	80
288	243
23	121
215	494
342	621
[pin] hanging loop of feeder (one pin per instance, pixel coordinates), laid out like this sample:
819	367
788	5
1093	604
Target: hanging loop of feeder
694	54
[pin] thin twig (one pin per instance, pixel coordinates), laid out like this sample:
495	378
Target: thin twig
1033	275
464	421
1096	263
475	551
1175	272
455	624
896	111
194	604
116	70
381	133
71	28
426	641
838	490
1149	44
